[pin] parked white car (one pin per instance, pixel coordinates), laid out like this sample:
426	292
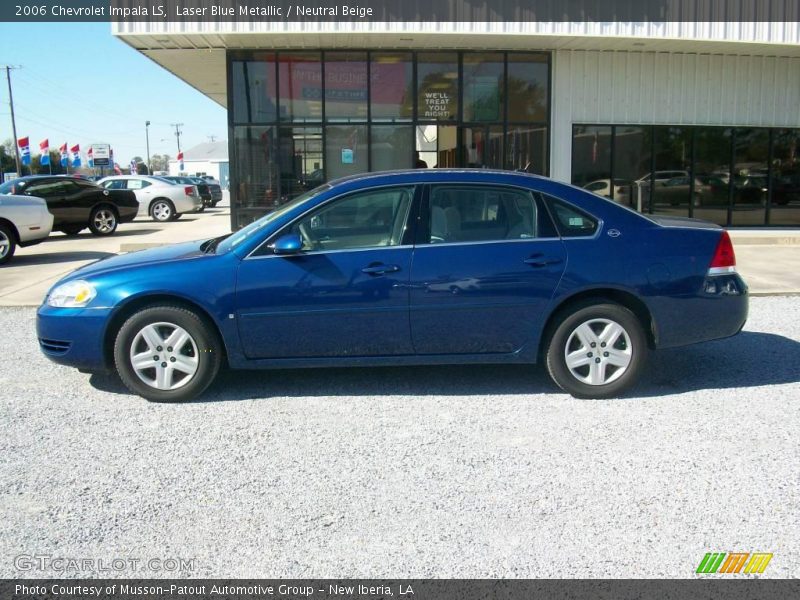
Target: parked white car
24	221
160	199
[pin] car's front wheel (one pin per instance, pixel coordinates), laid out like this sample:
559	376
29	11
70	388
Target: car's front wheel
8	243
103	220
597	351
167	353
162	211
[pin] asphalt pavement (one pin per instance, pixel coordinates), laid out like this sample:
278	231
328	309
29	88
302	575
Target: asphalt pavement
408	472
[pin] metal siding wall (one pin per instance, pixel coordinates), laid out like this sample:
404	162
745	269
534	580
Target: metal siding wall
671	89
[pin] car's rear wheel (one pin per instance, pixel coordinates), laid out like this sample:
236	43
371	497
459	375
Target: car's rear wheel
103	220
162	210
8	243
167	353
597	351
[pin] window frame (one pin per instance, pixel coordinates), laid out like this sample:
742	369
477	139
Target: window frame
263	250
423	229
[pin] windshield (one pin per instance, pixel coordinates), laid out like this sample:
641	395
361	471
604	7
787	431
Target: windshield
237	238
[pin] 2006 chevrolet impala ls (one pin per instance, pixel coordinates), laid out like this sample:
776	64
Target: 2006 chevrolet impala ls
404	268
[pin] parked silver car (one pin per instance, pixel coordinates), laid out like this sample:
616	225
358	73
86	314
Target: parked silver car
24	221
160	199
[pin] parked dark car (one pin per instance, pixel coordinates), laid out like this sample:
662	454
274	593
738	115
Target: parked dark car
77	203
203	189
430	266
214	188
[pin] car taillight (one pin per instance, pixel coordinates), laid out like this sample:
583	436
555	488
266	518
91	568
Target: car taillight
724	260
189	189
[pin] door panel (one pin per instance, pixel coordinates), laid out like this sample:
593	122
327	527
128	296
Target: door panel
325	304
487	266
344	294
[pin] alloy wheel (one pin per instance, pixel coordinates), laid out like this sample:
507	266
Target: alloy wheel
164	356
5	244
104	221
162	211
598	351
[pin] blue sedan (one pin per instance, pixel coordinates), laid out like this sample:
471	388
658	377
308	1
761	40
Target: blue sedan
407	268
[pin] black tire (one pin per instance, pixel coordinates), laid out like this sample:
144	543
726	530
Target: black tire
177	216
72	229
611	380
162	210
103	220
8	243
204	345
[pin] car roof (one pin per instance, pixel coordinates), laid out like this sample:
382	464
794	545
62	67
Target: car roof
437	175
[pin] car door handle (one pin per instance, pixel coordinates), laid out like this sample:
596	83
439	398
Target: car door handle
541	261
380	269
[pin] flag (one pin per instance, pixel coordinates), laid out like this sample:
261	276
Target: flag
117	170
133	166
24	150
90	158
63	151
76	155
44	150
180	160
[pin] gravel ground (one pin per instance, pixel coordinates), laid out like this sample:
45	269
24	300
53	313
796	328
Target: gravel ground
423	472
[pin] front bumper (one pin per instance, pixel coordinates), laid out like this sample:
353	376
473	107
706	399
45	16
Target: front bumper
73	336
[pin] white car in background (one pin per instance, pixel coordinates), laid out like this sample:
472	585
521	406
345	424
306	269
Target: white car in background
24	221
160	199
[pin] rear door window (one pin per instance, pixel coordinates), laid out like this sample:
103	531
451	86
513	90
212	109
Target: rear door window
571	221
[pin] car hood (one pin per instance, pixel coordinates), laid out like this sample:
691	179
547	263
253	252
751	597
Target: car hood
173	252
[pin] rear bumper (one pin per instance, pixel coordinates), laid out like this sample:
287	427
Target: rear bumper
719	311
73	336
188	204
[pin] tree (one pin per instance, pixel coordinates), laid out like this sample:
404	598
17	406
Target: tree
54	167
160	162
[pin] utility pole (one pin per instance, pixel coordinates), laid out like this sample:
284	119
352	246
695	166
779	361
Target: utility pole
177	127
147	138
13	121
212	138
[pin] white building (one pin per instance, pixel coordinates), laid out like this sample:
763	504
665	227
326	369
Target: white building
714	105
210	158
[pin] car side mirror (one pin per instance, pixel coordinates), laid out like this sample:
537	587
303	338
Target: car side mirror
291	243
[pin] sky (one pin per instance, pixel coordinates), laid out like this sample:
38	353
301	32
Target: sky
79	84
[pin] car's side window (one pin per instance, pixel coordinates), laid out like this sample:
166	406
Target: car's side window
115	184
372	219
47	190
475	213
137	184
570	221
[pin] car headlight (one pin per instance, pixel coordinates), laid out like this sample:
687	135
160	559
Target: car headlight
74	294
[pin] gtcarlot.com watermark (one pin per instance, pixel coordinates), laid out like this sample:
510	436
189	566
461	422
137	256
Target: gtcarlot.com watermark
65	564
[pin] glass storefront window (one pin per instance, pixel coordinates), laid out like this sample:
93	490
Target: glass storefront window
673	191
591	158
712	151
526	149
483	87
785	177
436	147
392	147
483	147
391	86
301	160
346	86
437	86
632	167
750	177
528	87
254	168
346	150
254	90
300	86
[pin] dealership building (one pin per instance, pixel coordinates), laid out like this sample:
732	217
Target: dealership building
682	118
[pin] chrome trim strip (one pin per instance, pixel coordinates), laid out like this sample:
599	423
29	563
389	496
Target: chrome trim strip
317	252
721	271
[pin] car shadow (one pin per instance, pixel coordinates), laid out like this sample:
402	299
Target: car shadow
121	232
750	359
57	257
